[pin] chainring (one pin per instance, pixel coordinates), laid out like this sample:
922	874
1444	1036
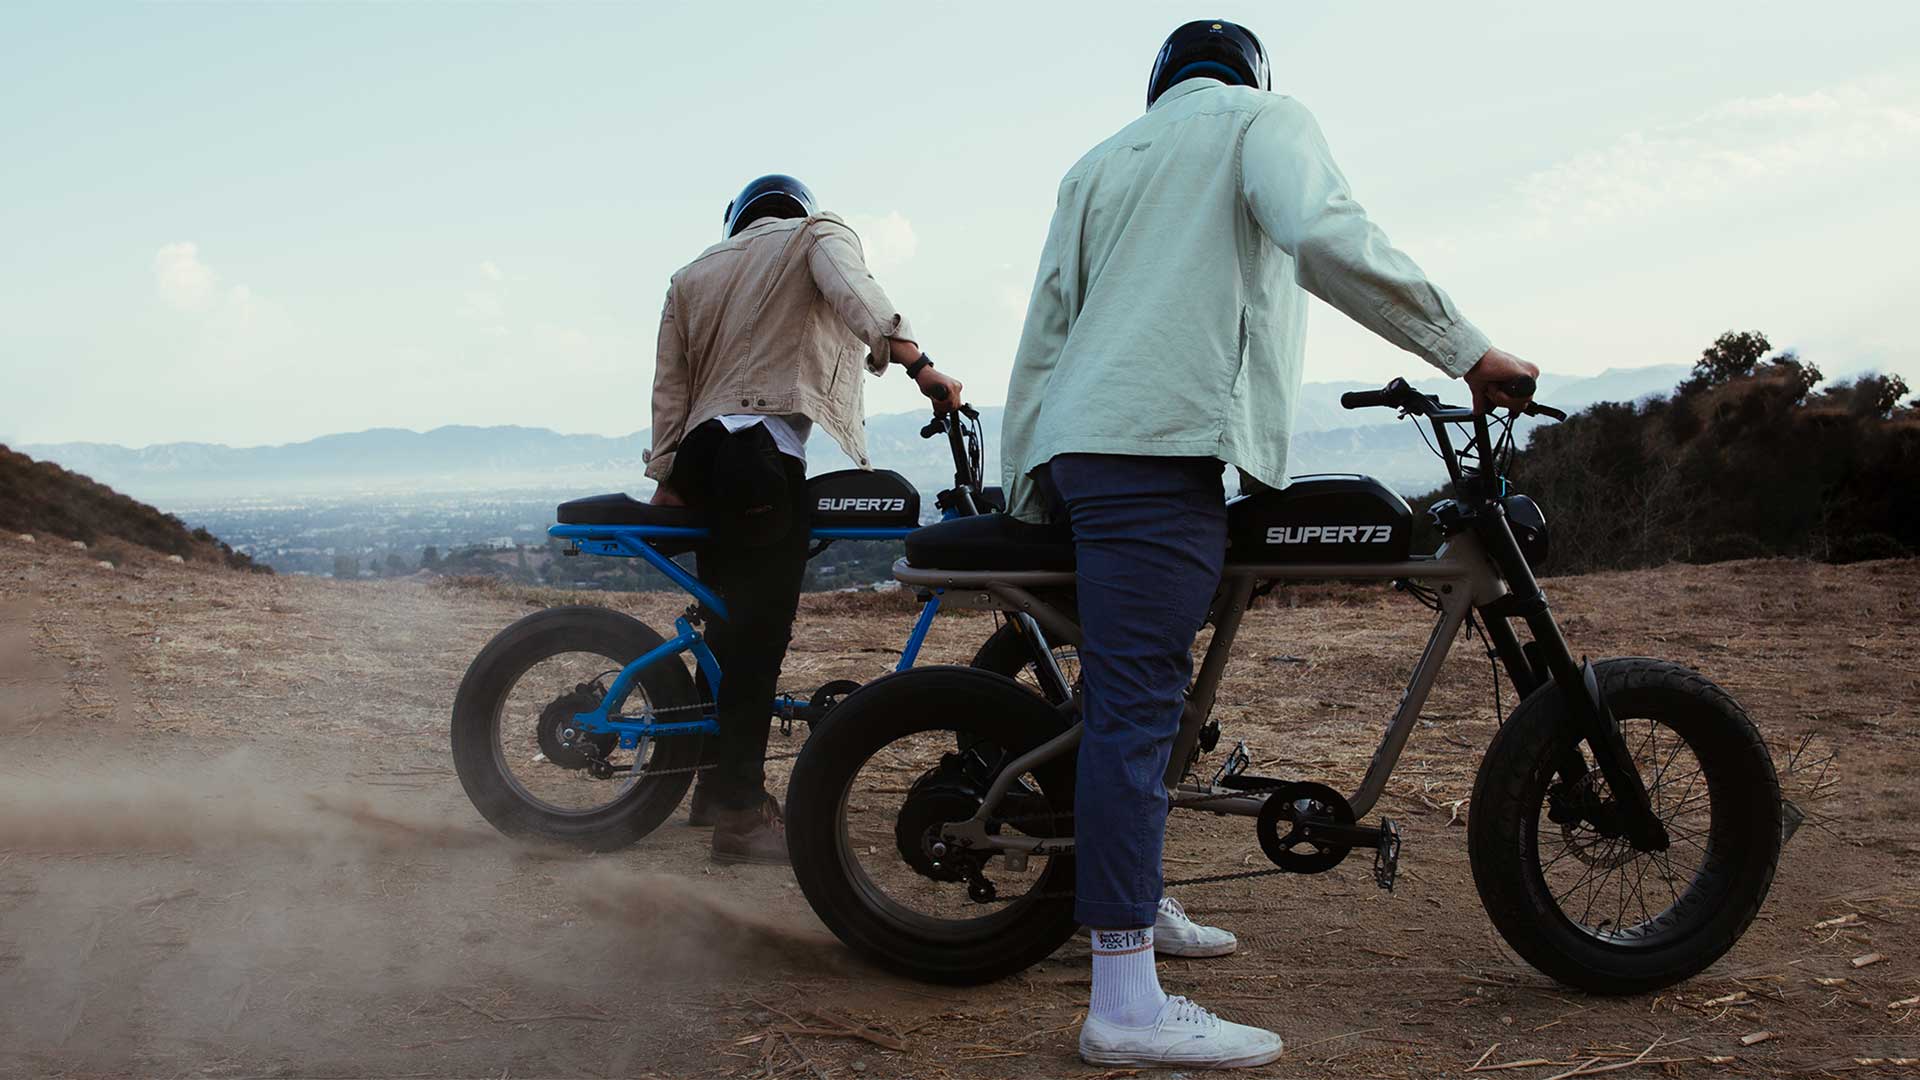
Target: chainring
826	697
1295	805
559	714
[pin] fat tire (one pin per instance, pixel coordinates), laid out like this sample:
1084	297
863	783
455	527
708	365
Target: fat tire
924	699
1745	842
490	678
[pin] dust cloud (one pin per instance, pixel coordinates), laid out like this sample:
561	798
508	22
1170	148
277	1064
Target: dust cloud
192	913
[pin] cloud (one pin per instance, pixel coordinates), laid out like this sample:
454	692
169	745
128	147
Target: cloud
186	284
1745	146
889	241
182	280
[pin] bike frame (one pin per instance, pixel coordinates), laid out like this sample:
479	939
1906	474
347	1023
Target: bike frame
636	541
1460	573
1480	567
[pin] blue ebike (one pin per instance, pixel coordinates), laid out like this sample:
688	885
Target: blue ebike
584	725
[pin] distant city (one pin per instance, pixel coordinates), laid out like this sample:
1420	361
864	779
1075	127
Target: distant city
465	500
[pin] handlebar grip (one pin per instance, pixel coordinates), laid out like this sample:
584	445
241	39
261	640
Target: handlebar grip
1363	399
1520	386
939	393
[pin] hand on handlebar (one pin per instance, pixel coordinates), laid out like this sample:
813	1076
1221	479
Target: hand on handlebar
1501	380
944	390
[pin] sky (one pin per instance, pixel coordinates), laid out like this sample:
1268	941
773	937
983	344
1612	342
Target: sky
255	223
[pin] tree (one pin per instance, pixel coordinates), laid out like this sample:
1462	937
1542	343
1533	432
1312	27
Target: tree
395	564
429	557
1880	394
1731	355
346	566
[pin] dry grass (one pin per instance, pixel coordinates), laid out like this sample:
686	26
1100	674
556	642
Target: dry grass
341	690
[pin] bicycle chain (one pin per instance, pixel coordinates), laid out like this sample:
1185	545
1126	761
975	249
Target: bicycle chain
1210	879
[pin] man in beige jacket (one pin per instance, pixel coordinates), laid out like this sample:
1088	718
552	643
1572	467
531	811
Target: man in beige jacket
761	338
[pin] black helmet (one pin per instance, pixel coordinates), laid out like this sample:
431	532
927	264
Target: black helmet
1214	48
772	195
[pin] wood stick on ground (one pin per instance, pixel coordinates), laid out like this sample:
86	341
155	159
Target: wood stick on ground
860	1031
1336	1038
1594	1068
802	1057
1484	1057
1525	1063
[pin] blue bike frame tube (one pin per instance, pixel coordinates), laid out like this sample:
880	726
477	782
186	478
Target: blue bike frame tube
616	696
919	635
632	540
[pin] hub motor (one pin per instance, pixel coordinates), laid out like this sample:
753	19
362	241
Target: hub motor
943	794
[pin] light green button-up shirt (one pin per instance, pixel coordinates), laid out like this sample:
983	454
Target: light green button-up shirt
1169	318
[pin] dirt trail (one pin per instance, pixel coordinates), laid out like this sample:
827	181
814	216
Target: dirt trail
231	844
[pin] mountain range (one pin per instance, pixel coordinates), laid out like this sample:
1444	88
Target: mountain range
384	462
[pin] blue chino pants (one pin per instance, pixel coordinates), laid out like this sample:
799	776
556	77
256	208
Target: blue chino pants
1150	537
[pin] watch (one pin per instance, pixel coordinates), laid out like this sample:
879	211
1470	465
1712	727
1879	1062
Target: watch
914	369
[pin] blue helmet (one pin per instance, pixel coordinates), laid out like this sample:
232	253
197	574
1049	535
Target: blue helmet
772	195
1214	48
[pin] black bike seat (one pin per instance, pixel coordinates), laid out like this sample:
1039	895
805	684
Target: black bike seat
623	509
991	542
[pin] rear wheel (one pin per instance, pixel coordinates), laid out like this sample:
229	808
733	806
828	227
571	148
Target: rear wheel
874	784
512	712
1562	884
1007	653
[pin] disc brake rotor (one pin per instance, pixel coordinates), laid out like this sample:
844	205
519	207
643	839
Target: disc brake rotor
558	716
1588	823
1283	827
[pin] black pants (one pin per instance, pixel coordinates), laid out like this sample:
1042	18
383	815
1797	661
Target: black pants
755	498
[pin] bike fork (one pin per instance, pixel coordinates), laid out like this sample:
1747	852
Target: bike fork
1577	682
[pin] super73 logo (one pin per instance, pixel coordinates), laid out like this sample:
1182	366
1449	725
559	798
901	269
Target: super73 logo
1330	534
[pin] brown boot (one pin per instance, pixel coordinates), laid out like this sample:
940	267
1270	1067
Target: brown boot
757	836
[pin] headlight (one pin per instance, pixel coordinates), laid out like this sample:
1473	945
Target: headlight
1529	527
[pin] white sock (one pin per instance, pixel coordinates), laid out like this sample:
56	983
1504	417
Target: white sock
1126	988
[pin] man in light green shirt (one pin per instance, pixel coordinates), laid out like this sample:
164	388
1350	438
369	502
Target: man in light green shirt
1163	342
1169	315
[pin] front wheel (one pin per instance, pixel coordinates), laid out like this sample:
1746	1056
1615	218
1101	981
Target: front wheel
1562	884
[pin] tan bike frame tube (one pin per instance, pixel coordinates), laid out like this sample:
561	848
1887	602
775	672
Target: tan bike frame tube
1461	572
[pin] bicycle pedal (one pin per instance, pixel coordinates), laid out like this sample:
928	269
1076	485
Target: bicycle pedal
1236	763
1386	857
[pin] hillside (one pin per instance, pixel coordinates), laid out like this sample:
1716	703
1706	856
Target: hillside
391	461
39	498
290	881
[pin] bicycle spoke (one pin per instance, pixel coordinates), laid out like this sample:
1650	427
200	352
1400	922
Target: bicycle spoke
1607	892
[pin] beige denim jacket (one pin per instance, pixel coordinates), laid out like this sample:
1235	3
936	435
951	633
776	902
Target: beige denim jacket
772	321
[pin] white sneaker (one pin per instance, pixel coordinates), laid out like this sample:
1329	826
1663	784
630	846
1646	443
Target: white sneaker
1176	935
1184	1035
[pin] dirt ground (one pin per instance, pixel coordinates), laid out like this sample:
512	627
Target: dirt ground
231	843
